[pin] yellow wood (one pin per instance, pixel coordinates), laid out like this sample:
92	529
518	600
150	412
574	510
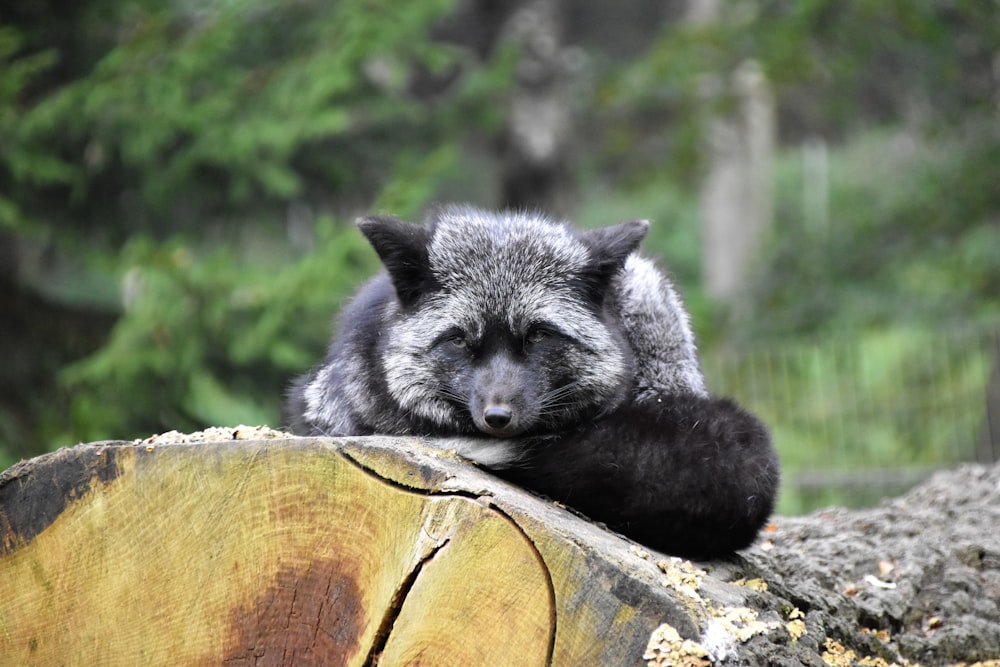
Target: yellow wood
484	599
311	551
203	557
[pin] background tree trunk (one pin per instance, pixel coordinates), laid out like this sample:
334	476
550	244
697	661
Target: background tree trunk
534	171
736	193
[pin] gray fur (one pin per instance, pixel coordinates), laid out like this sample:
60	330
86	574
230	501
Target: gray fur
521	267
659	331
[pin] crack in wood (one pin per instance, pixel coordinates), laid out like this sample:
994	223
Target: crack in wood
424	491
381	641
395	606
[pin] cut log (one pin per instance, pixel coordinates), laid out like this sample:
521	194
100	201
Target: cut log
307	551
380	551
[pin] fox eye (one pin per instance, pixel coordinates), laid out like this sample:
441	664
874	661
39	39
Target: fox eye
537	334
454	339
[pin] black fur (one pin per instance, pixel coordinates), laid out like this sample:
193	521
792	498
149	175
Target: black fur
690	476
402	247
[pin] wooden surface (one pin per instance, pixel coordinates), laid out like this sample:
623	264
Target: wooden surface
365	551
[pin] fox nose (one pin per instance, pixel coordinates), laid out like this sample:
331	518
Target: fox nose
497	416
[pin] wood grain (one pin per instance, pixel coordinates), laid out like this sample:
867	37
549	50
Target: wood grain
364	551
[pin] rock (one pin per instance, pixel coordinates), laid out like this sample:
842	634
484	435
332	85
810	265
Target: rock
913	580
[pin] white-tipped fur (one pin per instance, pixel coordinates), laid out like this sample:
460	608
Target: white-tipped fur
494	453
511	270
659	330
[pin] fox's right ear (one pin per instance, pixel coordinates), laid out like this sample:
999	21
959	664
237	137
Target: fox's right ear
609	248
402	248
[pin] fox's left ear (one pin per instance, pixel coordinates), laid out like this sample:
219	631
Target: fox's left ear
402	247
609	248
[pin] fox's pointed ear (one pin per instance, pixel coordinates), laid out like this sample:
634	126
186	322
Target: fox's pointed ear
609	248
402	247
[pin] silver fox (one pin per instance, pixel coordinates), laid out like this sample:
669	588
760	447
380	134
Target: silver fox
562	360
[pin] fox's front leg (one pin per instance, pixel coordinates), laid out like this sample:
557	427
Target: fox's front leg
689	475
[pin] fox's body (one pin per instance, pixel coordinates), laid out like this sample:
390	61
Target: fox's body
561	359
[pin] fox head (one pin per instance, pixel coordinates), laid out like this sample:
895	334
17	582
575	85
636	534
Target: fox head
504	323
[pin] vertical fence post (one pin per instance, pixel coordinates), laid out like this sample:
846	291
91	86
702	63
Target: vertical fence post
988	447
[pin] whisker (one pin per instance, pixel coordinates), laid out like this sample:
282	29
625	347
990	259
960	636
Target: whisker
558	393
449	393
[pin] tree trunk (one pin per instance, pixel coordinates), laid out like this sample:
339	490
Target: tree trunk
380	551
736	197
536	145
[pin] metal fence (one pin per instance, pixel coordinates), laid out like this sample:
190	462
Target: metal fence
858	420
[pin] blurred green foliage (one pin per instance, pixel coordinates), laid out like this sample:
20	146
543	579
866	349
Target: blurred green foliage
836	68
912	238
189	171
207	340
196	116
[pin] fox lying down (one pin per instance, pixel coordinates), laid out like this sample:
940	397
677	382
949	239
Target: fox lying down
559	359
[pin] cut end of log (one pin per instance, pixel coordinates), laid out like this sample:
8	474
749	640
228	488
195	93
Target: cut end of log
304	551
